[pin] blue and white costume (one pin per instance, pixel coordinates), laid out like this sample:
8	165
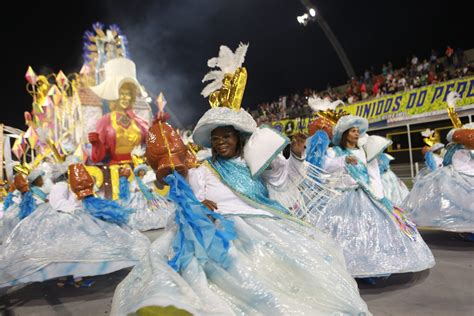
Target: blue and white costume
62	238
376	237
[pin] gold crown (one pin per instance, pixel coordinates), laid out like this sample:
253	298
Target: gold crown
232	91
138	160
432	139
331	115
23	168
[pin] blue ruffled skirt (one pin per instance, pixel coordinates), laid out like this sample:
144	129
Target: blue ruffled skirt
49	244
443	199
373	243
277	267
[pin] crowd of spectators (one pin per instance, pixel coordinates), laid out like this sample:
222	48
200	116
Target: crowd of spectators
415	73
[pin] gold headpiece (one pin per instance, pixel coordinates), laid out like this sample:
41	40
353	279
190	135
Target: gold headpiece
451	99
227	85
326	109
430	137
138	156
331	115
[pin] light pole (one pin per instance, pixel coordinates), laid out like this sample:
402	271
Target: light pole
313	15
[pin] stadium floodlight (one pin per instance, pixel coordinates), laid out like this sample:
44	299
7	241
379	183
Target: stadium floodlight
316	16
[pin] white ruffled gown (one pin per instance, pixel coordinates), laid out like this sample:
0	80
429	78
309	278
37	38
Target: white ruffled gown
61	238
373	243
278	266
444	198
10	217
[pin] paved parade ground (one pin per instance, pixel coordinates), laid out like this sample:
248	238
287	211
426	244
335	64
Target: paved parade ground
447	289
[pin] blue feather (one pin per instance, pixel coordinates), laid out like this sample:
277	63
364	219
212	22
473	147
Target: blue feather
27	205
8	201
124	189
109	211
197	236
318	145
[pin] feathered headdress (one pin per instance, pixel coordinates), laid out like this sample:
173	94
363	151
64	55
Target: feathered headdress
228	82
138	155
326	109
431	138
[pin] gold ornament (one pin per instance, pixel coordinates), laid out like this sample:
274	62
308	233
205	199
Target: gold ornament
232	91
96	174
331	115
454	117
432	139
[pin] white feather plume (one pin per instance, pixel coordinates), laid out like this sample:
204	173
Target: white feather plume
427	133
453	98
318	104
138	151
227	62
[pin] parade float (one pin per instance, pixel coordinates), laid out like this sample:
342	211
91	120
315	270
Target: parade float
99	114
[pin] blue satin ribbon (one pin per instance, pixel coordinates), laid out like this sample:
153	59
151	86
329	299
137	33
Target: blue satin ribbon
39	193
197	236
358	171
430	161
384	163
448	156
238	178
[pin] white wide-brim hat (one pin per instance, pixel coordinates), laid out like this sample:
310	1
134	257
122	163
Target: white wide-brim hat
241	120
347	122
117	72
375	145
436	146
35	174
58	169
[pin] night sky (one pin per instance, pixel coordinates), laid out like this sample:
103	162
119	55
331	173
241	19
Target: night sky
171	41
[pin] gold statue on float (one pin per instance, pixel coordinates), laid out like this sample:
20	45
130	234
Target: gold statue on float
119	131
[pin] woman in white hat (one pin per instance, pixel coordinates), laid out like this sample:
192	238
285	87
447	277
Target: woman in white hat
377	238
33	196
75	234
444	198
268	262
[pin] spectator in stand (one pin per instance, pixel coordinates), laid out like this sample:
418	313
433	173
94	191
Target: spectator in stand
370	85
434	56
449	55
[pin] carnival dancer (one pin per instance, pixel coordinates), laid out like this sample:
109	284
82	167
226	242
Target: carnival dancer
74	234
33	196
150	209
376	236
251	258
444	199
320	129
433	151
